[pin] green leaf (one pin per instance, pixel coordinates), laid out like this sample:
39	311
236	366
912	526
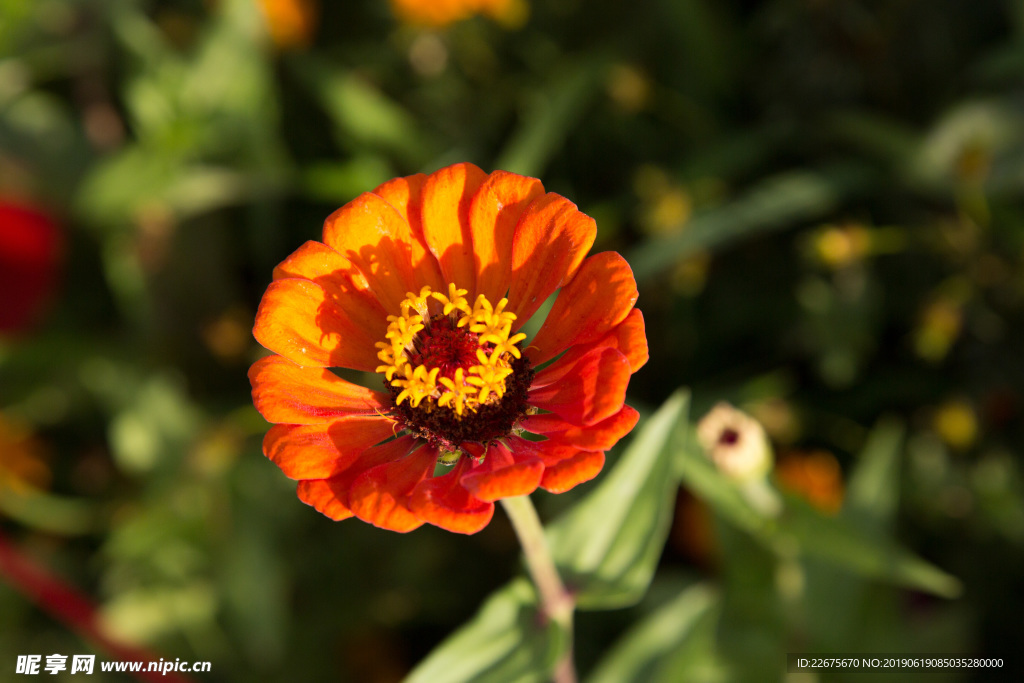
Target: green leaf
48	512
642	654
776	203
506	641
339	182
361	113
873	492
607	547
842	543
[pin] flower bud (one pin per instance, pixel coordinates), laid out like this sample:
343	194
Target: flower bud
735	442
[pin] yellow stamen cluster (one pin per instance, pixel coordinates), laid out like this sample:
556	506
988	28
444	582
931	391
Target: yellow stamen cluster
467	388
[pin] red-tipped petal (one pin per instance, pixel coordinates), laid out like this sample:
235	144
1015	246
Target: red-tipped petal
565	466
493	215
572	471
286	393
331	496
444	212
380	495
443	502
323	450
344	284
502	476
300	321
590	391
628	338
600	297
597	437
320	494
550	242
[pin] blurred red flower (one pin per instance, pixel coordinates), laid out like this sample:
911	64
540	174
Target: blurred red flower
427	280
30	247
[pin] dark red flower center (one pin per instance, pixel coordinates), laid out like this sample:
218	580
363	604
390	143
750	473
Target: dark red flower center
446	346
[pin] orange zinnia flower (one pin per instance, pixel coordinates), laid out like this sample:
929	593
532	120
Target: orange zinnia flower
438	13
427	280
815	477
291	22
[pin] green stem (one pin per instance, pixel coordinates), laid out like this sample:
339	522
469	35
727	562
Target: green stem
555	601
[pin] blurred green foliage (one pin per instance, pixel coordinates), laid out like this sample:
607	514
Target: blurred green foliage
822	202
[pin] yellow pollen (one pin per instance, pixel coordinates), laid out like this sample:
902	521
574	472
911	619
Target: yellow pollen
469	387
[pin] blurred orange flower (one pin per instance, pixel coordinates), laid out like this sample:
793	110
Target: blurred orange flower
22	464
439	13
814	476
30	246
291	22
427	281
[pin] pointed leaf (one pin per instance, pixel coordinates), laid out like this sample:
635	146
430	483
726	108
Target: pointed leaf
842	543
507	640
645	650
607	546
873	493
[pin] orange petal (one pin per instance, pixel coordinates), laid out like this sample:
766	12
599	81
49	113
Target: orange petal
445	215
344	284
405	194
550	242
493	216
550	451
380	495
300	321
286	393
331	496
321	495
600	297
443	502
371	234
565	465
502	476
321	451
577	469
597	437
593	390
628	338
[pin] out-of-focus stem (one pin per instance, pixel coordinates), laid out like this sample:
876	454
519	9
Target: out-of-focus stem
556	602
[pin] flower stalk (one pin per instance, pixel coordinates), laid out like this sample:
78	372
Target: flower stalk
556	602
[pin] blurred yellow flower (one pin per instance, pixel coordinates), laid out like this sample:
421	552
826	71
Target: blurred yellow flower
837	246
940	326
956	424
291	22
815	477
666	206
440	13
629	88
